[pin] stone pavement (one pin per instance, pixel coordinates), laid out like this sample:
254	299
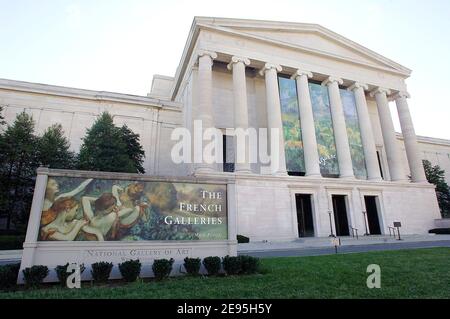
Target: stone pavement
319	246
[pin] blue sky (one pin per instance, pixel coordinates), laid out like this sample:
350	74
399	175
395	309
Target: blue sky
117	45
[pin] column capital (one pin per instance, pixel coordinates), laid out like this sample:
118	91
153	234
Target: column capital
400	94
332	79
379	90
358	85
211	54
301	72
237	59
269	66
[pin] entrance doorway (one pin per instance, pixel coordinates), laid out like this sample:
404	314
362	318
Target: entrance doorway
372	215
340	215
228	153
305	221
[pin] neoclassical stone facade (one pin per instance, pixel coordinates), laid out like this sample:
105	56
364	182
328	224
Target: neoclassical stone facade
229	77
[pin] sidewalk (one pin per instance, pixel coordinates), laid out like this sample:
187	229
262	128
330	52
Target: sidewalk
10	256
318	245
325	242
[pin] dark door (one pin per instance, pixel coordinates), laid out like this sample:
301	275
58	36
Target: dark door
304	215
372	215
228	154
340	215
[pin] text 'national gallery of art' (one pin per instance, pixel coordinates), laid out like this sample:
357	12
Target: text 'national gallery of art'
341	166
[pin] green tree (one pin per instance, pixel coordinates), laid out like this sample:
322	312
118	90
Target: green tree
54	149
2	118
435	175
18	164
134	148
106	147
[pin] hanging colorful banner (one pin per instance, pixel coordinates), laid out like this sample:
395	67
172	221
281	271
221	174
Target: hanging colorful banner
354	134
324	130
290	116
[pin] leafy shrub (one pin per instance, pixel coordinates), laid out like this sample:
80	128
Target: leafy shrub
162	268
440	231
101	271
62	274
212	265
232	265
242	239
11	242
130	270
34	276
249	264
8	275
192	265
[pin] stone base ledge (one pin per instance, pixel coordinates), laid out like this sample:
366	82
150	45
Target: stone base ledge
52	254
442	223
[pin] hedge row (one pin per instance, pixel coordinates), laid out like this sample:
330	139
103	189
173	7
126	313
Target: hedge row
11	242
131	269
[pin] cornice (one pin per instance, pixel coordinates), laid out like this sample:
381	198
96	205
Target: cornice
427	140
46	89
329	183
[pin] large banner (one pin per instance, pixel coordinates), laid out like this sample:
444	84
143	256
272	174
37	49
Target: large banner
324	130
354	134
290	115
77	209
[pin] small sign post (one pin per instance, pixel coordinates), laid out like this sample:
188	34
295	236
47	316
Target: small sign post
398	225
331	224
336	242
365	223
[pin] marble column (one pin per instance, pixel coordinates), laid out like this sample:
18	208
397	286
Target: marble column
365	126
390	140
269	71
339	128
310	150
410	138
237	65
205	102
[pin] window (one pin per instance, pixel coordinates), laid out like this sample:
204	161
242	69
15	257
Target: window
379	164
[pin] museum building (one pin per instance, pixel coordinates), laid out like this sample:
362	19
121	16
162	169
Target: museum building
343	167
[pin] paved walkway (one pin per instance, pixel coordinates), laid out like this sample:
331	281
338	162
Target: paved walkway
10	256
323	246
311	246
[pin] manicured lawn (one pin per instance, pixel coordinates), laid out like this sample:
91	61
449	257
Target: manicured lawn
421	273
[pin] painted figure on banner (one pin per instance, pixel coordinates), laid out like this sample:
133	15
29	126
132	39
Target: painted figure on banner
106	216
64	226
53	188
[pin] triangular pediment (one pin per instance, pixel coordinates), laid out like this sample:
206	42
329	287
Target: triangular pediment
309	37
312	41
